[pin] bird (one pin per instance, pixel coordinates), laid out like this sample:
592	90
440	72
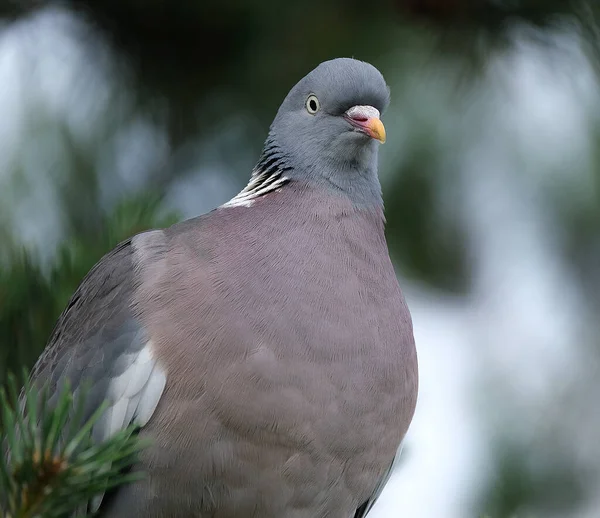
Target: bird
265	348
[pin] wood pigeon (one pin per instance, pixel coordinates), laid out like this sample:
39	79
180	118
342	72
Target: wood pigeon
264	348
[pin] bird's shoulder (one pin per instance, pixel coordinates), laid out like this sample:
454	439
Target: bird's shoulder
102	294
101	308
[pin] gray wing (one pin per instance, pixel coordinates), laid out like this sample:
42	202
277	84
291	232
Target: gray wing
99	341
364	509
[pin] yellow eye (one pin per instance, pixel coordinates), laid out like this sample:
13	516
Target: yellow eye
312	104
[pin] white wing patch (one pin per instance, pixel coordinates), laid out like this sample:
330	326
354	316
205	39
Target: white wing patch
133	398
150	396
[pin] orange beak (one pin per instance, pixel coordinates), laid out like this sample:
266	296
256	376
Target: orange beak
375	129
366	119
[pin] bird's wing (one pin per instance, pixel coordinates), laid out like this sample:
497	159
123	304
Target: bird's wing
365	508
99	341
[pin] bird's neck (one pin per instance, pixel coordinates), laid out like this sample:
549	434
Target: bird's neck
358	184
356	180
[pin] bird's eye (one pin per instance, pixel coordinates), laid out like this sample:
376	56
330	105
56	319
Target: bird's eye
312	104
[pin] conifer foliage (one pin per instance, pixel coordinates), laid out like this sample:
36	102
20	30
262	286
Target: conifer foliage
50	466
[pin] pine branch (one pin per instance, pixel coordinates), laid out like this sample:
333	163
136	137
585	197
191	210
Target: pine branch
50	467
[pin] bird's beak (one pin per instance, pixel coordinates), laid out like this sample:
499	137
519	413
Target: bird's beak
366	119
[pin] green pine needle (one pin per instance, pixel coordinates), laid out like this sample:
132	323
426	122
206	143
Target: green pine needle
49	465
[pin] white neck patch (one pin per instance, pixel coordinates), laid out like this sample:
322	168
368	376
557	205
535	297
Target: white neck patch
260	183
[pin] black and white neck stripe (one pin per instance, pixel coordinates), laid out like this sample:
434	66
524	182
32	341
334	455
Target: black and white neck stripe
268	175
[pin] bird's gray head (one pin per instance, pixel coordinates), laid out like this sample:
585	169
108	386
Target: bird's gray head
328	129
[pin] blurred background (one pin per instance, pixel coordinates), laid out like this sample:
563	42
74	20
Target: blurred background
121	115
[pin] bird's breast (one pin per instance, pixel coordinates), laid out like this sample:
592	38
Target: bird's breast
289	352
